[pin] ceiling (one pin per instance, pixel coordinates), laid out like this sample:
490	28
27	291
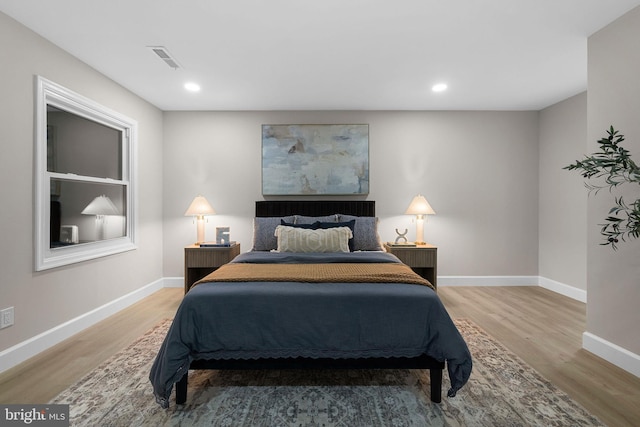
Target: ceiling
332	54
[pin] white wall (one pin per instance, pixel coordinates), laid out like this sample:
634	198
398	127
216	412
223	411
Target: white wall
44	300
478	170
614	99
563	198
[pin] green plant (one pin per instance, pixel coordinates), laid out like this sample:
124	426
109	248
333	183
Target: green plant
613	163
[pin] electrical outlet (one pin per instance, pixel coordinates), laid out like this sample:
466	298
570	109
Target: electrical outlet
6	317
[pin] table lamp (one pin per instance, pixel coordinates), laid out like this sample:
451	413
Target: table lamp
100	206
199	208
419	207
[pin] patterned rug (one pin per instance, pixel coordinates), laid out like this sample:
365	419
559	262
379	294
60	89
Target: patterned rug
502	391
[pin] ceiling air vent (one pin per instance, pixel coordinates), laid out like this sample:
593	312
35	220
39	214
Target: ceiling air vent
164	54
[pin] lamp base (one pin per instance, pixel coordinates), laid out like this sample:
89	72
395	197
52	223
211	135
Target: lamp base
200	231
420	243
419	230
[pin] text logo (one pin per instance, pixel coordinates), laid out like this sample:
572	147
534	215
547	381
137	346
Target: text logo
36	415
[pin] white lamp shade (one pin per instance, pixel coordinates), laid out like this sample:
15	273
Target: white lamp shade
101	205
419	206
200	207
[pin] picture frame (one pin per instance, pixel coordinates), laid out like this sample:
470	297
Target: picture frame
222	235
315	159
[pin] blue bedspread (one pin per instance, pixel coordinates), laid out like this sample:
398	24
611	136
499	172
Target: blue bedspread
250	320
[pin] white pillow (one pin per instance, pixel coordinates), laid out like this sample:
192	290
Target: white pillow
292	239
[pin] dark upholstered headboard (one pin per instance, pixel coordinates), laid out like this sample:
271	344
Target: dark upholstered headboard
276	208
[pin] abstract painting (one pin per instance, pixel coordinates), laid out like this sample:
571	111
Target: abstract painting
315	159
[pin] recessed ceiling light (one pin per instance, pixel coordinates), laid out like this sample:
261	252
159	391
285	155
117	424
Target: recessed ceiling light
440	87
192	87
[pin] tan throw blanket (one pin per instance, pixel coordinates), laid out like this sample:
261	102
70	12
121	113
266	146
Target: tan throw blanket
317	273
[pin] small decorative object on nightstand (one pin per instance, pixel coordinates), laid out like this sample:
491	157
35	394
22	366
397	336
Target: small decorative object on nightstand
200	261
423	259
222	235
402	237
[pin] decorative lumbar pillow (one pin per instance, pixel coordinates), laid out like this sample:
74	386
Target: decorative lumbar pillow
263	232
351	224
365	234
291	239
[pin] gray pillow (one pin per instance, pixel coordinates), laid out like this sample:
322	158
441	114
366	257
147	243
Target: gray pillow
264	229
365	232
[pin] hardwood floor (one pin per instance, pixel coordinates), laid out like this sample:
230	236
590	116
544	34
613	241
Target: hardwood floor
543	328
44	376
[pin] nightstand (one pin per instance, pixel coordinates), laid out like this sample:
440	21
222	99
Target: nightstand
198	262
423	259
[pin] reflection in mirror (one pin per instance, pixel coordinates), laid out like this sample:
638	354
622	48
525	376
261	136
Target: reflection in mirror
86	212
81	146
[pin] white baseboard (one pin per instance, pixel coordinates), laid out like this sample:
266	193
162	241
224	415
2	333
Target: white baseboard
29	348
619	356
562	289
487	281
552	285
174	282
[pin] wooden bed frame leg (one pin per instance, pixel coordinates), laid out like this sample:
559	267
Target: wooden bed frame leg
436	385
181	389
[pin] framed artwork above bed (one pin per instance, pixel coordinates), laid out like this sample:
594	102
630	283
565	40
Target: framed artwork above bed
315	159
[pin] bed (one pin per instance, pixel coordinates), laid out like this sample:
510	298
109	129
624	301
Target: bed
340	302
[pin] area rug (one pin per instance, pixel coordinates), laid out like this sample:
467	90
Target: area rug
502	391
